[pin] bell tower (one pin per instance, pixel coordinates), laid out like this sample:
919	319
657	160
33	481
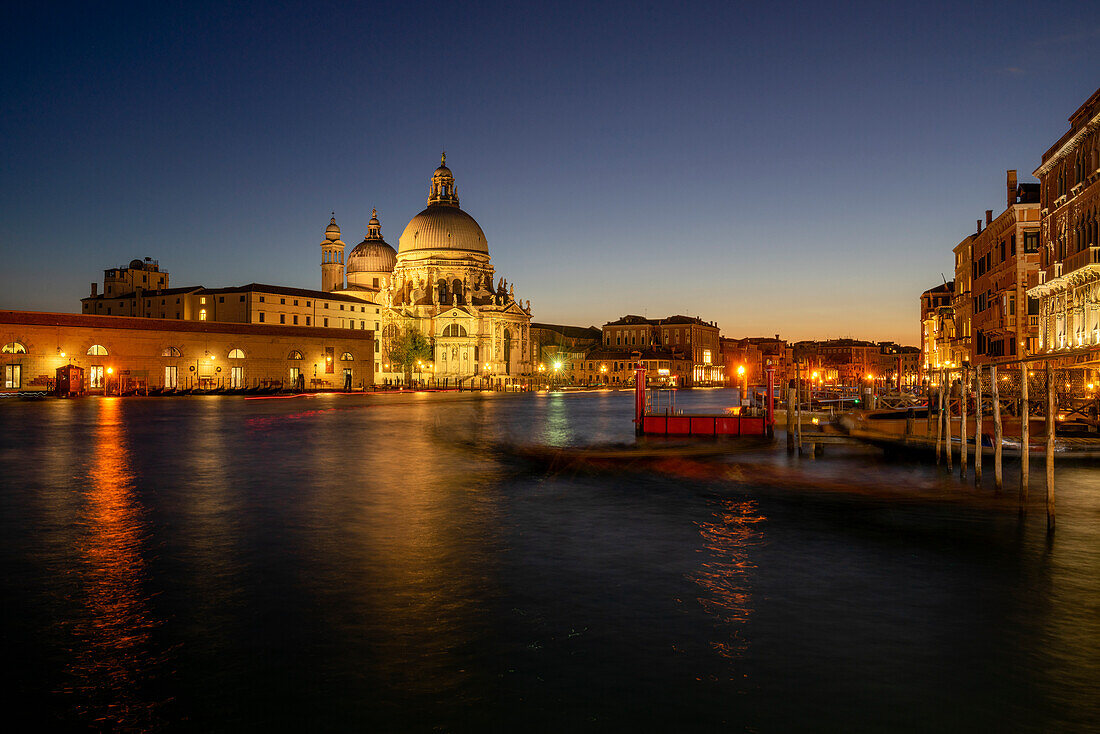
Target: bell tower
332	258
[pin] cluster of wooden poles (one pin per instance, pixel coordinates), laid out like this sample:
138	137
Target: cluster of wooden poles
943	431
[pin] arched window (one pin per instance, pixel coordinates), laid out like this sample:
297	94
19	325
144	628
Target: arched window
294	354
14	348
170	352
454	330
346	357
97	350
238	354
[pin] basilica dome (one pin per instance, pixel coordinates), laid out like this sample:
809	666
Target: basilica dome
443	225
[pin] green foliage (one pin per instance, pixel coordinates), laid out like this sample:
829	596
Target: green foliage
407	348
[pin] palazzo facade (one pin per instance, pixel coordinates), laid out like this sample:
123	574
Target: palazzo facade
1069	278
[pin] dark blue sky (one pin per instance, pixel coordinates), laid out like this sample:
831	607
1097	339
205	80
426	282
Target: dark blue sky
794	168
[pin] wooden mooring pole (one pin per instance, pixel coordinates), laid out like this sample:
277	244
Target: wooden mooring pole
1025	437
798	410
1050	446
963	400
998	431
947	426
977	426
790	420
939	418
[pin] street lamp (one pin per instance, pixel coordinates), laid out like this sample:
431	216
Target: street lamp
744	382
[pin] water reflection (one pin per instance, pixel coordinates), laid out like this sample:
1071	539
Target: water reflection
725	578
112	664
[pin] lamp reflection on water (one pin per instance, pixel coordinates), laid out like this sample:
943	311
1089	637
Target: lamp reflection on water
725	578
112	663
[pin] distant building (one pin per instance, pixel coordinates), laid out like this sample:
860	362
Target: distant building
896	361
755	354
838	361
1068	290
959	338
675	338
937	318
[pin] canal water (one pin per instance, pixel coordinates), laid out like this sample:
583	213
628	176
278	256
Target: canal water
380	563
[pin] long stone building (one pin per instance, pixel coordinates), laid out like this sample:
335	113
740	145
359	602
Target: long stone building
117	353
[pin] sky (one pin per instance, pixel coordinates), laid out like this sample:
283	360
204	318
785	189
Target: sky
802	169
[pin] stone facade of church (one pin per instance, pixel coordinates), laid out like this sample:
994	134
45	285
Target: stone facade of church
441	282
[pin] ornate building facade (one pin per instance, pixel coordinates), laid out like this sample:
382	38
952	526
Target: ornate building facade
1069	278
440	281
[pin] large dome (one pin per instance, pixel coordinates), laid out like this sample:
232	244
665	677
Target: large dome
442	227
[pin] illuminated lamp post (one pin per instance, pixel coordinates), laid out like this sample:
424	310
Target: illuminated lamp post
107	382
744	382
485	376
557	369
603	374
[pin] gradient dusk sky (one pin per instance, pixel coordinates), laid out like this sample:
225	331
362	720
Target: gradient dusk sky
801	169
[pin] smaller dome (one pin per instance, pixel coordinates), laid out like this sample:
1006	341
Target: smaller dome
136	264
443	171
371	256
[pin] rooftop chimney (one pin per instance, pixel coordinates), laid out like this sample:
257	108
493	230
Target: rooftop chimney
988	217
1010	185
979	226
95	289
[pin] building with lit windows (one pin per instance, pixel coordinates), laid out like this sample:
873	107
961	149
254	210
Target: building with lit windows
675	337
755	355
1003	263
118	354
937	318
1068	291
839	361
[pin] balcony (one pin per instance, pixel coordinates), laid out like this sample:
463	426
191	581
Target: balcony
1083	259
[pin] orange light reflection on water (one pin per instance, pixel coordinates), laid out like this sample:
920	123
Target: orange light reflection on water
726	577
112	662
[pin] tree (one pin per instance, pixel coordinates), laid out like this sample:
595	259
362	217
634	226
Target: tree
406	347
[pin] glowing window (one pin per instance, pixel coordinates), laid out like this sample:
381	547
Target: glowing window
97	350
294	354
454	330
236	354
14	348
346	357
202	314
170	352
